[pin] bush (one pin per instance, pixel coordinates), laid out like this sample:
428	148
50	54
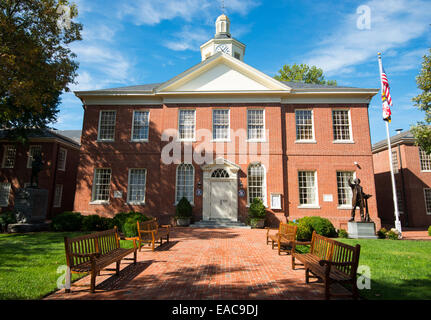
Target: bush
392	235
342	233
92	223
304	232
107	223
257	209
7	218
307	225
381	234
429	231
67	221
184	209
130	226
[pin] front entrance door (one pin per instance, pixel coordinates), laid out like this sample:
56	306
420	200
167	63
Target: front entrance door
221	200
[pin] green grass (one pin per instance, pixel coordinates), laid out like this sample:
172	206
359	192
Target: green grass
29	262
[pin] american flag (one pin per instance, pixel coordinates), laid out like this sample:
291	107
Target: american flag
386	97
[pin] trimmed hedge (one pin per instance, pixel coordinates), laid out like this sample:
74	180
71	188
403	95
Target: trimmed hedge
130	226
184	209
307	225
67	221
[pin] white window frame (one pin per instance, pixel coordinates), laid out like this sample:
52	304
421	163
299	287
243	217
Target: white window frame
313	140
30	154
128	188
93	201
400	199
264	188
63	167
311	205
263	139
350	126
5	203
427	209
228	129
343	206
6	154
420	160
133	127
194	130
100	121
58	197
193	184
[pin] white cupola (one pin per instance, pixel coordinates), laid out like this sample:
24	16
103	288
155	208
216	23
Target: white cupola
223	41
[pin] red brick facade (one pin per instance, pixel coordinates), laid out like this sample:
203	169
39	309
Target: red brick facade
285	159
49	177
410	181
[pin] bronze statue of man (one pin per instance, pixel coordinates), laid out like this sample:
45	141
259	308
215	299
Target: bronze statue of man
36	167
359	199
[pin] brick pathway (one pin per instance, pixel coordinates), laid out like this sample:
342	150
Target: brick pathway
204	264
415	234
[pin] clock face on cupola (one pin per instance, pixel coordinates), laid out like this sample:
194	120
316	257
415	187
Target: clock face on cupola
223	41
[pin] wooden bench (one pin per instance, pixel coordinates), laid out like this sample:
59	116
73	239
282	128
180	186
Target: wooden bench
331	261
150	232
285	237
93	253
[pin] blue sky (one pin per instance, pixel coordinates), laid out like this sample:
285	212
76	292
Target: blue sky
145	41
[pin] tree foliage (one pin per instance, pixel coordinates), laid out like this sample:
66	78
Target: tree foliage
303	73
36	65
422	131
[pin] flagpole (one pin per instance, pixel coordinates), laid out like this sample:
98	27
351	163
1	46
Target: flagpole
394	189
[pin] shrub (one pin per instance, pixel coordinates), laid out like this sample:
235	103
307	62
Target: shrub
304	232
107	223
120	218
67	221
130	226
7	218
342	233
381	234
307	225
392	234
257	209
429	231
184	209
92	223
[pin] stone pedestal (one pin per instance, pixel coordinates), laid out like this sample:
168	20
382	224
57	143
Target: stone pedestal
361	230
31	207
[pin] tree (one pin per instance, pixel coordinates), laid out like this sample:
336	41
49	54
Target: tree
303	73
36	65
422	131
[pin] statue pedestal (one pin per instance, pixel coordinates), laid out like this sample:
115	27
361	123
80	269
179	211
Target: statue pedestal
361	230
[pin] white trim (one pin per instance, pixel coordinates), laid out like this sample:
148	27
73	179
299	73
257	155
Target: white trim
8	186
313	140
351	140
264	188
63	168
178	125
193	184
228	129
315	205
133	126
94	186
272	205
343	206
263	139
128	188
427	210
98	127
308	206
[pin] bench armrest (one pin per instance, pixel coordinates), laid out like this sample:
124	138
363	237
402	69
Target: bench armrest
134	241
165	226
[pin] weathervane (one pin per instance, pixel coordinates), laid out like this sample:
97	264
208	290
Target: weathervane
222	6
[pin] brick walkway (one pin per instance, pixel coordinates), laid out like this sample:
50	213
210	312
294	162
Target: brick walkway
204	264
415	234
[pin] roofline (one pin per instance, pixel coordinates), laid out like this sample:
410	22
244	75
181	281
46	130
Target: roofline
378	148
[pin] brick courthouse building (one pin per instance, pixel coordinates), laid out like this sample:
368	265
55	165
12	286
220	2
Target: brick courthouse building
293	145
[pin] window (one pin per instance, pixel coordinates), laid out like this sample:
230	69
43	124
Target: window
33	151
107	126
62	156
304	125
425	160
101	185
428	200
136	187
141	124
341	125
256	183
395	161
220	173
344	190
4	194
28	184
185	182
400	201
220	124
58	194
237	55
307	188
186	124
9	157
256	125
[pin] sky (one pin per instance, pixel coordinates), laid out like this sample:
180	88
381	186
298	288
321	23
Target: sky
147	41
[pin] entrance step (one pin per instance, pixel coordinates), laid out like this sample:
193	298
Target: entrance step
219	223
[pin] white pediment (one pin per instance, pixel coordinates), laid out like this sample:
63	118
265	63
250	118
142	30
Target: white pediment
222	73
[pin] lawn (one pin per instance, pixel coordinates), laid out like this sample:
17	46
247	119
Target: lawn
29	262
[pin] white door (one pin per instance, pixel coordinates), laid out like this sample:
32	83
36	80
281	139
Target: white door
221	198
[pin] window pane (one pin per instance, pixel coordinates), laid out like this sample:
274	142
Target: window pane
187	124
4	194
137	180
33	151
62	154
256	180
107	125
58	195
341	124
255	124
9	156
428	200
140	125
102	183
185	183
307	187
425	160
344	190
220	124
304	124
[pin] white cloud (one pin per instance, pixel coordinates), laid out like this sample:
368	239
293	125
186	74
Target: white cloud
188	39
393	24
